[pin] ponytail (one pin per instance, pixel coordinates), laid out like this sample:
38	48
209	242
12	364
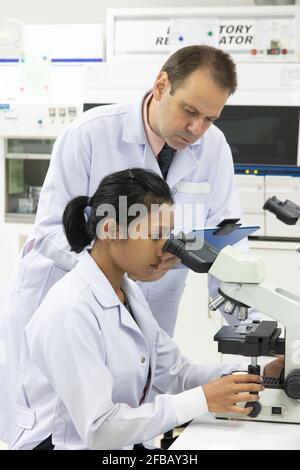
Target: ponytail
75	224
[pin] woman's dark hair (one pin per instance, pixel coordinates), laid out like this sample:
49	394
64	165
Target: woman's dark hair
138	185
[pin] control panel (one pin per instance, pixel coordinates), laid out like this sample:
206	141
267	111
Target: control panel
37	119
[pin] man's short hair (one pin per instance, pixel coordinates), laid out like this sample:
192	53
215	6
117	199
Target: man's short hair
185	61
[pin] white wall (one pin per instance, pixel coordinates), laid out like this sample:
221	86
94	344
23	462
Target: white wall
91	11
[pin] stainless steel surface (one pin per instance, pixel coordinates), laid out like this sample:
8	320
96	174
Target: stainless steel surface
215	303
229	307
253	361
242	313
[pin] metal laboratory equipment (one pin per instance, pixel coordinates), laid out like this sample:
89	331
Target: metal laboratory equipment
243	285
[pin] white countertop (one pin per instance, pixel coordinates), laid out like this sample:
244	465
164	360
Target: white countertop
210	433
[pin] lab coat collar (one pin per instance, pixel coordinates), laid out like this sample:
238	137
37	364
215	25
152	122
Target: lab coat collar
185	160
142	323
141	314
133	127
106	296
98	282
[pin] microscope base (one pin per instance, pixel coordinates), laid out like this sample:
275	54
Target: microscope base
276	407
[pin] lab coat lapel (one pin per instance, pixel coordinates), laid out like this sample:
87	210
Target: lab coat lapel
184	162
133	125
141	314
126	319
150	161
144	319
134	131
97	281
146	324
104	293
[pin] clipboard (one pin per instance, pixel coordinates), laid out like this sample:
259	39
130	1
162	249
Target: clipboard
218	240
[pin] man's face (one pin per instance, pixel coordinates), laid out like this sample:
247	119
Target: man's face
182	118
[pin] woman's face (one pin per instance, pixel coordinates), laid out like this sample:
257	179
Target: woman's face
140	254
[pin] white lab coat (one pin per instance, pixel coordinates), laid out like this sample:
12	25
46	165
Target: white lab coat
101	141
84	365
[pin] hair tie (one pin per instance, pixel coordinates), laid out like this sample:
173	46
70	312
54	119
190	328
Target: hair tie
131	175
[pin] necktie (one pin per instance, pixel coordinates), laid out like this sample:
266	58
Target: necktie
164	159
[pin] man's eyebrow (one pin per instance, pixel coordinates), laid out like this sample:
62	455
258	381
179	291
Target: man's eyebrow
192	107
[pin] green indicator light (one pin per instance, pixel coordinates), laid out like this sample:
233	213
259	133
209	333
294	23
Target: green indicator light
255	172
210	33
247	172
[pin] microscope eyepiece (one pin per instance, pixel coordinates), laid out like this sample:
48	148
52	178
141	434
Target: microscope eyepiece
287	211
175	246
272	204
199	260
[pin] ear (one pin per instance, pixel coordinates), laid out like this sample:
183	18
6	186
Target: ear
161	85
107	229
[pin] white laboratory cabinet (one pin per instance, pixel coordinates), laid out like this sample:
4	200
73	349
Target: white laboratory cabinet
252	198
12	236
26	165
27	135
283	187
41	82
254	191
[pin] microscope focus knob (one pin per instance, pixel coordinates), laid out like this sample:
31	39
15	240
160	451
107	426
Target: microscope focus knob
292	384
256	408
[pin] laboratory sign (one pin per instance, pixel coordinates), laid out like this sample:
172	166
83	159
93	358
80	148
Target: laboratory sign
242	37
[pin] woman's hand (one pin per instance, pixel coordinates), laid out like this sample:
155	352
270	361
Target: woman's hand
223	394
168	261
274	368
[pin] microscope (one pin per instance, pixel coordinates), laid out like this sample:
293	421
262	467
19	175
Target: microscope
243	286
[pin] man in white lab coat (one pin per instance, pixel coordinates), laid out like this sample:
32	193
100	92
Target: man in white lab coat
188	95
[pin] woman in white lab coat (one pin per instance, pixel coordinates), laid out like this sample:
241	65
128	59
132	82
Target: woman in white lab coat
92	351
